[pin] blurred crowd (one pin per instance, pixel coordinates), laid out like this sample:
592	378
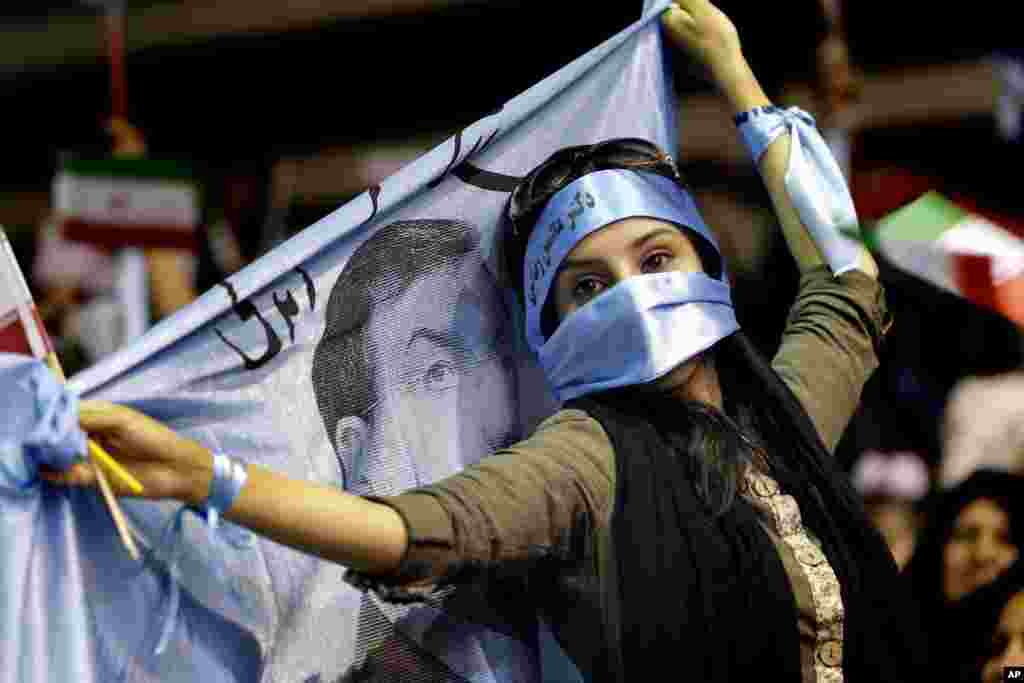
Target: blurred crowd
958	546
75	283
78	286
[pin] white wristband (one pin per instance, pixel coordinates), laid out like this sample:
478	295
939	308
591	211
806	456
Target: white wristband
229	476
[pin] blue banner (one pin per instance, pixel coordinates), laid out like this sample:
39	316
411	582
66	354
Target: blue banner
377	350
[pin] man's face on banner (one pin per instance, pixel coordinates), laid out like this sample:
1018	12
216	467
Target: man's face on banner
444	381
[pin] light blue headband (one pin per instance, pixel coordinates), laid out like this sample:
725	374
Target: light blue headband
588	204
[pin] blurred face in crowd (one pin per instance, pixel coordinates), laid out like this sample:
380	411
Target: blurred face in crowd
979	549
1007	641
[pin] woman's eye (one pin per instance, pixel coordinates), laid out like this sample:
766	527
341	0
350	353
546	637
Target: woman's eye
585	289
440	376
656	262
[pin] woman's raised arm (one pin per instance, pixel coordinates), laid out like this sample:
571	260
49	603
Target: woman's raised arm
707	35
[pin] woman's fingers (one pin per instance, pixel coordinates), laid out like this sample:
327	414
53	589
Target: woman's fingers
691	5
681	26
100	417
97	415
78	474
677	15
703	31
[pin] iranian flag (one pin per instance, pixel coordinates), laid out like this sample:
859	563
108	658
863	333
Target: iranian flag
21	329
134	202
958	250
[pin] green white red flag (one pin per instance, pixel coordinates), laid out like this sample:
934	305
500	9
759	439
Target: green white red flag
954	248
134	202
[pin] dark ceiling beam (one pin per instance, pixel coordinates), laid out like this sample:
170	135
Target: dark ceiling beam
933	96
940	95
248	91
251	97
76	38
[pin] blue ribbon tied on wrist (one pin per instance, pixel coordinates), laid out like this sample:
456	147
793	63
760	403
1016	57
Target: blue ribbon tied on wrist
814	181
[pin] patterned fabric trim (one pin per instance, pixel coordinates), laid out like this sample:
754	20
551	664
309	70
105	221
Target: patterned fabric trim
782	514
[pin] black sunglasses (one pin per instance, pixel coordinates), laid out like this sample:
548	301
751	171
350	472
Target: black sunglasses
567	164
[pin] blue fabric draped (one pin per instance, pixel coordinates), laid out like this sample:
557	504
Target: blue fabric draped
375	351
40	425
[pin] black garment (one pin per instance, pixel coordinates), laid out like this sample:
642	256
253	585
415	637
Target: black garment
706	595
707	592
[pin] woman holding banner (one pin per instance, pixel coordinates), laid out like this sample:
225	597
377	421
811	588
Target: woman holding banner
682	508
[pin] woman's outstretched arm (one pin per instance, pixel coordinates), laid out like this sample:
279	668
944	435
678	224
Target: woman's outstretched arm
534	497
319	520
708	36
316	519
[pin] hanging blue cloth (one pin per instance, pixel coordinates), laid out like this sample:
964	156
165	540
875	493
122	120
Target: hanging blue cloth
40	422
40	427
42	598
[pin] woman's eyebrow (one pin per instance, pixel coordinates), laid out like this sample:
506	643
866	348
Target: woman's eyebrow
581	263
637	243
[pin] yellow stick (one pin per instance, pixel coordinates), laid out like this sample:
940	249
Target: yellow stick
115	511
108	462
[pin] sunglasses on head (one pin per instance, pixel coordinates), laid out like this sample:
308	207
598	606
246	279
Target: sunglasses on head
570	163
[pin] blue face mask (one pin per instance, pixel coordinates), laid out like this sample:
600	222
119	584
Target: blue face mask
636	332
645	326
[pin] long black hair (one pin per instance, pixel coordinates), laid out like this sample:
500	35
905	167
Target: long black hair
761	420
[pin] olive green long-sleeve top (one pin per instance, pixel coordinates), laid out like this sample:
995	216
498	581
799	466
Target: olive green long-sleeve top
540	495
